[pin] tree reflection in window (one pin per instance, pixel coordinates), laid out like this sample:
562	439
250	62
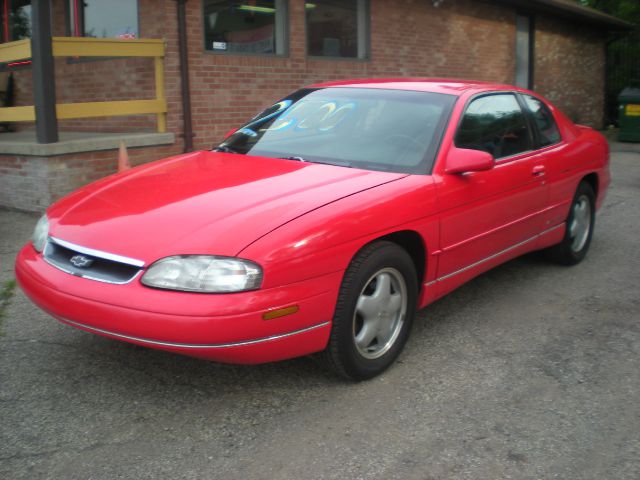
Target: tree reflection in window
15	18
494	124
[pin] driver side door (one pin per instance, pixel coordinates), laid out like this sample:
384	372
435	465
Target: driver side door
487	216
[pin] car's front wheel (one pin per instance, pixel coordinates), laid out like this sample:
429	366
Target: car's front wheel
374	312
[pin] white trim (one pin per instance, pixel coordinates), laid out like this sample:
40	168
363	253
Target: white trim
189	345
491	257
98	253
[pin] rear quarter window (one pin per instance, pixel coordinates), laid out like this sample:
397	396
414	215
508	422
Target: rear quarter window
548	132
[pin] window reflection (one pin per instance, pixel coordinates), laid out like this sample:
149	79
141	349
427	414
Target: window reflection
234	26
547	128
374	129
17	24
336	28
495	124
104	18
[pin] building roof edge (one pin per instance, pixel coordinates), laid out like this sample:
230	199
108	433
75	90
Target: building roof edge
573	10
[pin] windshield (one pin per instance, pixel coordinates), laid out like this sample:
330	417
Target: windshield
374	129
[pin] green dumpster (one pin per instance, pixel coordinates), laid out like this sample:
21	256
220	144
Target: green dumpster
629	115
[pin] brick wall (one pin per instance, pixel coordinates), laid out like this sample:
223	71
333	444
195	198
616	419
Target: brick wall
465	39
94	80
460	39
570	68
33	183
409	38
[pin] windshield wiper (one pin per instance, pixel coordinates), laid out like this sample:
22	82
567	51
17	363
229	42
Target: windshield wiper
336	163
225	149
323	162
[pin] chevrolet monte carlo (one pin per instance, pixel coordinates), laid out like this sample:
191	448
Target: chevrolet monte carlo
321	225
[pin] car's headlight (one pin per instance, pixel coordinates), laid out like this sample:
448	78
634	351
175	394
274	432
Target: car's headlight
204	273
40	233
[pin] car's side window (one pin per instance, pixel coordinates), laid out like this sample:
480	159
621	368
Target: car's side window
496	124
547	128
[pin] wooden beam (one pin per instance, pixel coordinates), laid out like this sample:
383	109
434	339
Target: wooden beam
106	47
18	114
13	51
88	110
111	109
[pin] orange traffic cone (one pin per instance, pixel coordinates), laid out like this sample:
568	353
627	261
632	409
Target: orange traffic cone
123	158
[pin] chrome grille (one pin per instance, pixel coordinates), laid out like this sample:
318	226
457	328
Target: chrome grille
91	264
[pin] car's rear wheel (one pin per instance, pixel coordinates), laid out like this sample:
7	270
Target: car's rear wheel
374	312
579	229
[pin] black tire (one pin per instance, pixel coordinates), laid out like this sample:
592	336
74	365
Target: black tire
575	244
377	267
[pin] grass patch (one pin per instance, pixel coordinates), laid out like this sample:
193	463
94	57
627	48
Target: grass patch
7	291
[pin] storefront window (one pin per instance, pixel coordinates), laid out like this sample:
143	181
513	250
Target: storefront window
16	19
104	18
337	28
245	26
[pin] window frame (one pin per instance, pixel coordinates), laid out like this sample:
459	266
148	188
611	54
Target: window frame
281	31
363	24
70	33
525	114
534	125
70	30
6	28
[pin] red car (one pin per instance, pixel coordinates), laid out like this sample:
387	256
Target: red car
322	224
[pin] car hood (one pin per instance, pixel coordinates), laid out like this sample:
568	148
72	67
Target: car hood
202	202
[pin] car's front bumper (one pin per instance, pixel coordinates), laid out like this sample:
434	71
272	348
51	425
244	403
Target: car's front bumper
221	327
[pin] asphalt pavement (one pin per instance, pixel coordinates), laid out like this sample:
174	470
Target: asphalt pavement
530	371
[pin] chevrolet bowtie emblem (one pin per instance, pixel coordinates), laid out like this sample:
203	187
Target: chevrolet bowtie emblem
81	261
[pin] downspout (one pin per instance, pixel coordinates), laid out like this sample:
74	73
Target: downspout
187	132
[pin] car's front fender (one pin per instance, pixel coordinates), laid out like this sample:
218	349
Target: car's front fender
326	239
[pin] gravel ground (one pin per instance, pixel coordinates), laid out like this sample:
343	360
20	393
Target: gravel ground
529	371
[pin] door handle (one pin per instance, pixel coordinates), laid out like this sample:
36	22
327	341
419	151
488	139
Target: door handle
538	171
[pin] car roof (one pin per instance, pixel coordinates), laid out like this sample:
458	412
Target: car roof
436	85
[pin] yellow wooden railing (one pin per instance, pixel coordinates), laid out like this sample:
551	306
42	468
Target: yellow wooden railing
94	47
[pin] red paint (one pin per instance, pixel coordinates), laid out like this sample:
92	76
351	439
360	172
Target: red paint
303	223
19	64
76	19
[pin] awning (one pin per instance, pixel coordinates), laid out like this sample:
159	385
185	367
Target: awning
571	9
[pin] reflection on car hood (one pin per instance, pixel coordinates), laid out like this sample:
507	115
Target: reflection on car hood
203	202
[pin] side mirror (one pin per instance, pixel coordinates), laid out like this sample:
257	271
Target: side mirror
462	160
